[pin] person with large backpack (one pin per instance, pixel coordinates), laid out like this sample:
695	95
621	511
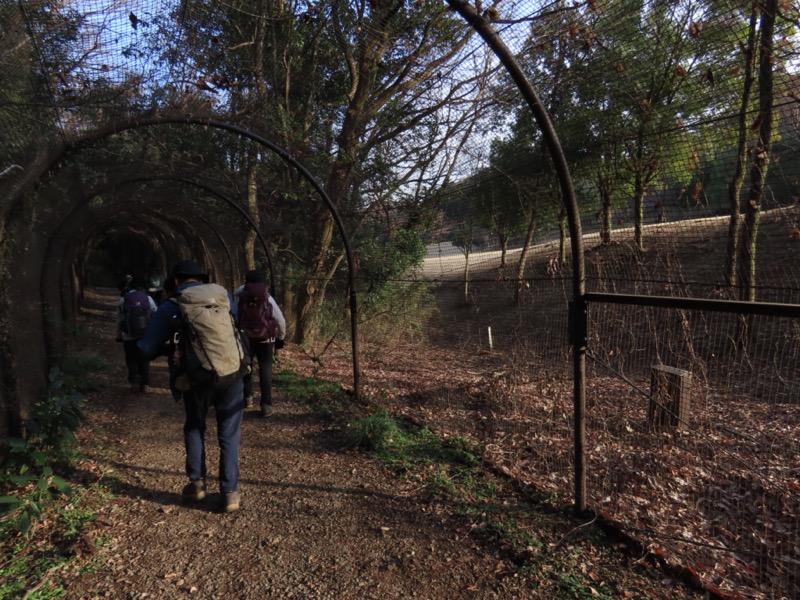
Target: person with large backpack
264	325
134	309
197	327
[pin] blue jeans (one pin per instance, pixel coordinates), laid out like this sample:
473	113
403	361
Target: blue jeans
229	408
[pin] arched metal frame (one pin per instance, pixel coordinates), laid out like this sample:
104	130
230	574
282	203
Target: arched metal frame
53	257
578	305
244	214
156	118
220	238
55	232
222	197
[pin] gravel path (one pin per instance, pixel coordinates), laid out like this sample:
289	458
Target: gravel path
317	521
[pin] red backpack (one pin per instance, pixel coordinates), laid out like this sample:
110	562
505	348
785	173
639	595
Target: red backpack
255	313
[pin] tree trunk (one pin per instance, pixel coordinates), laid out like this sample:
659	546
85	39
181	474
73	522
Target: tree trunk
604	186
308	293
638	194
252	153
466	275
252	208
328	277
9	400
523	258
735	186
758	173
503	239
286	298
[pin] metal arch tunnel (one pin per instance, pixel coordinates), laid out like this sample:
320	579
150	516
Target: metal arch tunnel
156	118
56	252
26	381
136	178
85	224
485	30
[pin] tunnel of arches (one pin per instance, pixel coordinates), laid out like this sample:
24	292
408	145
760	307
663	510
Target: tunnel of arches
92	232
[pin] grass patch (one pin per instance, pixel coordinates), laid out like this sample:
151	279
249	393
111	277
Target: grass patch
534	536
34	560
446	467
78	333
18	573
78	371
297	387
326	400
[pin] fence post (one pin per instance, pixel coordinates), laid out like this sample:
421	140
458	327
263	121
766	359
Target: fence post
485	29
670	397
578	335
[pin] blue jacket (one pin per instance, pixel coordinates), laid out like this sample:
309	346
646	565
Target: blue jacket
161	328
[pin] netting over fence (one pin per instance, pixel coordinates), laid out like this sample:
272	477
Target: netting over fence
680	123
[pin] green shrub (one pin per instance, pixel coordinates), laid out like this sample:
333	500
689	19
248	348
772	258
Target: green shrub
76	372
52	422
27	476
378	432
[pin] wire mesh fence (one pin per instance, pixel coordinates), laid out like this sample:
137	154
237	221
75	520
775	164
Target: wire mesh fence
692	414
713	482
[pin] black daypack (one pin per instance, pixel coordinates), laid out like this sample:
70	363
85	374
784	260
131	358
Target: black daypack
208	347
255	313
135	313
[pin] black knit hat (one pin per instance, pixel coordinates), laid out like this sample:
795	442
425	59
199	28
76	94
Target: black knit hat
254	276
188	268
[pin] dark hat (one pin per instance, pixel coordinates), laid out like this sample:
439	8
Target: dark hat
188	268
254	276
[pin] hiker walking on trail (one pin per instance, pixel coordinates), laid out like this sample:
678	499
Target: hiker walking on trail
260	319
134	309
196	325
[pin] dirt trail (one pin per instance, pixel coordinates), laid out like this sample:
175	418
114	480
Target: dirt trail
317	520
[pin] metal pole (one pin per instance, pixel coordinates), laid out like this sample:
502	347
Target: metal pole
489	35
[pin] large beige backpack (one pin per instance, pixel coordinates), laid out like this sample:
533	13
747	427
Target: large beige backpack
210	348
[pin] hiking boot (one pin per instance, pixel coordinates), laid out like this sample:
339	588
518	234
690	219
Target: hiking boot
230	502
248	401
194	491
266	410
145	389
